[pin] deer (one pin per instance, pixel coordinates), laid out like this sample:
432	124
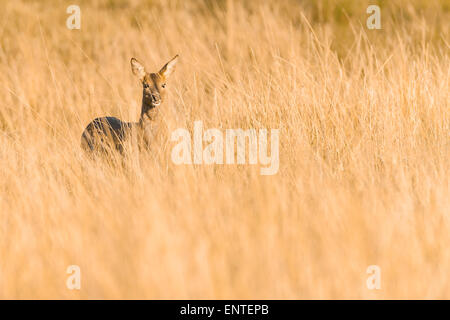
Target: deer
110	133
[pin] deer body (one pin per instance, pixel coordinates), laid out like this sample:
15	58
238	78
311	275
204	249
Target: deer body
106	133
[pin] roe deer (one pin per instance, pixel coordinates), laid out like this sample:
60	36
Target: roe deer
110	132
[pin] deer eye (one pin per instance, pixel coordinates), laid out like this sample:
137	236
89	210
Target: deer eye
163	85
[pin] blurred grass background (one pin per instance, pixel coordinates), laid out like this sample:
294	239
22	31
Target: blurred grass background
364	150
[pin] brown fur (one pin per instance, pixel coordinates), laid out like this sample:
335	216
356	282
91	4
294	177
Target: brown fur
106	133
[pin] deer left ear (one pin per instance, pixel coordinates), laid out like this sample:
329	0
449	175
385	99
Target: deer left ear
169	67
137	68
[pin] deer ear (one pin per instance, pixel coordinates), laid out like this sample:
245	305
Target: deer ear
169	67
137	68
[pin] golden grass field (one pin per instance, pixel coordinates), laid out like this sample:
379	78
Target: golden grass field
364	175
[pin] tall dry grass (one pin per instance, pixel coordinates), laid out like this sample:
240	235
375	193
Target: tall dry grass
364	173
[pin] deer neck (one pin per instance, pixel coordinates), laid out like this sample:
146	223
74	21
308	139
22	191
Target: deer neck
148	115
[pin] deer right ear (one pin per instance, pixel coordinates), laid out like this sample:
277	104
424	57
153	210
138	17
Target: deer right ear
169	67
138	69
